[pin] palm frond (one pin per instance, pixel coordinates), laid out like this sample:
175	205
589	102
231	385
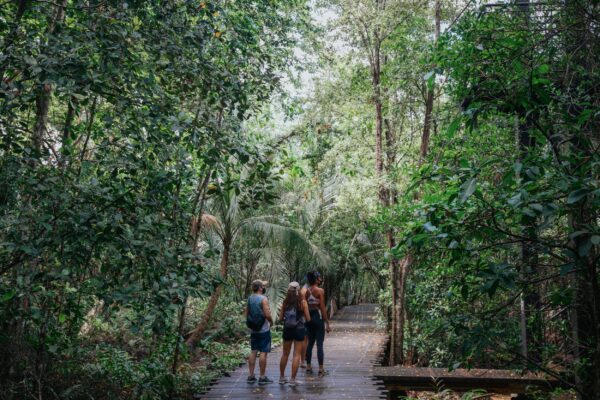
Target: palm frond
286	236
278	283
212	224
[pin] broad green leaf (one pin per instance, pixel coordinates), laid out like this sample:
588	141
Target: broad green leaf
429	227
584	248
515	200
453	127
543	69
7	296
467	189
576	195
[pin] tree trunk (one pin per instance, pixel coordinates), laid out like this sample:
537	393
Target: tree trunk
180	326
531	316
376	81
66	134
195	234
379	139
430	93
10	38
399	304
214	299
401	269
427	124
88	133
582	47
396	353
587	309
44	90
531	320
42	103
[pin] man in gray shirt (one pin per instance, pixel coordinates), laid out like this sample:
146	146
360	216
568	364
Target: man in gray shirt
260	339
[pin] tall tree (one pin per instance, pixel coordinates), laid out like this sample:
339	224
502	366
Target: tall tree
369	25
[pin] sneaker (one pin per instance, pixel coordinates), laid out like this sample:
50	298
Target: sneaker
251	379
294	383
283	381
264	381
303	366
323	373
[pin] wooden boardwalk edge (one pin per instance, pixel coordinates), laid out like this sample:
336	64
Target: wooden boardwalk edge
399	378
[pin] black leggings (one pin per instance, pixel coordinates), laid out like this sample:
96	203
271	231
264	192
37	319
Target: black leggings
316	333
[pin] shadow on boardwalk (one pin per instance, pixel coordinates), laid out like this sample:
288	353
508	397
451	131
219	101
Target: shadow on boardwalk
351	349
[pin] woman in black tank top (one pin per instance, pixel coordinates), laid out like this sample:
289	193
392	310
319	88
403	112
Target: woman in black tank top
319	323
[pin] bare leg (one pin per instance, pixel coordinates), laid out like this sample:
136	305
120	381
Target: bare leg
252	363
298	347
287	345
262	364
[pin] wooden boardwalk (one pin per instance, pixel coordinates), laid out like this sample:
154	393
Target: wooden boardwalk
351	350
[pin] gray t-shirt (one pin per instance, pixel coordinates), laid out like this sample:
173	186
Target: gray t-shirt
255	307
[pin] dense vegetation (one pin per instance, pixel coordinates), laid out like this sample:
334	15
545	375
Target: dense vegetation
437	157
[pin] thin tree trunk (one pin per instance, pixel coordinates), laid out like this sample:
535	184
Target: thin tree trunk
574	321
430	93
180	326
10	38
399	304
587	311
389	198
42	103
379	139
44	90
582	48
90	123
397	331
214	298
66	134
195	233
427	124
401	270
530	320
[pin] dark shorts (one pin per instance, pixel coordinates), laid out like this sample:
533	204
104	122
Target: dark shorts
294	334
261	341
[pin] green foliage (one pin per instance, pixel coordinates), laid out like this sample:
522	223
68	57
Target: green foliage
112	116
516	220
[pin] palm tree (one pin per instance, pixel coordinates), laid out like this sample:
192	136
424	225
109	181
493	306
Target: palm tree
229	225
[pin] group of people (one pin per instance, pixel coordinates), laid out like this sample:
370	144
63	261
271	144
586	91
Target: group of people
305	322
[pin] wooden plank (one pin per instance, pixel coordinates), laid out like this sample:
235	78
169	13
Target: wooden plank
499	381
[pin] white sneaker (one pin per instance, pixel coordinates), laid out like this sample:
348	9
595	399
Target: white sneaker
283	381
294	383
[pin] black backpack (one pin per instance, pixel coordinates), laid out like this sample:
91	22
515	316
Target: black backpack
254	321
290	318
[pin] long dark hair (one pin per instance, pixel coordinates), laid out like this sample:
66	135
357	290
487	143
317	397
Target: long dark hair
312	277
292	298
